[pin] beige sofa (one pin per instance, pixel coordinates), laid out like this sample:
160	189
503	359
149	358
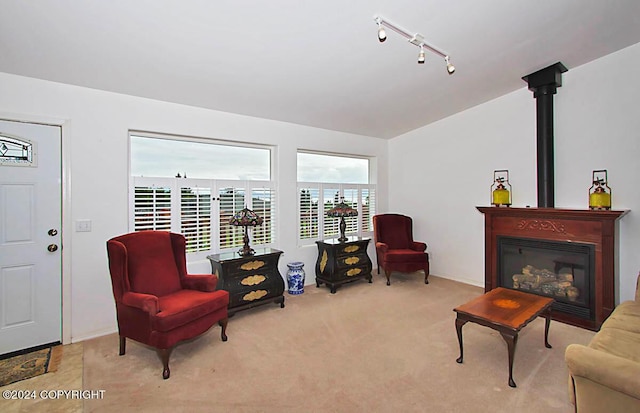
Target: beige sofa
605	375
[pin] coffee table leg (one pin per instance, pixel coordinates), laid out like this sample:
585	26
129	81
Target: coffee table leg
459	324
547	322
512	340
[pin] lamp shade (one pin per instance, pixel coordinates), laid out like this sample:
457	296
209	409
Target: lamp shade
245	218
342	210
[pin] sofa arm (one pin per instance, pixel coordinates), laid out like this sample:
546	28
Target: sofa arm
617	373
200	282
145	302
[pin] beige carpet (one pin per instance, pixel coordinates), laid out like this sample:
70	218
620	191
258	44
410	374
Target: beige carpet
367	348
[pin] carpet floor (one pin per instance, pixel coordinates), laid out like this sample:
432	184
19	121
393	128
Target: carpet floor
367	348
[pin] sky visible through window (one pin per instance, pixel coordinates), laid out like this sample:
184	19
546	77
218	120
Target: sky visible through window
166	158
334	169
154	157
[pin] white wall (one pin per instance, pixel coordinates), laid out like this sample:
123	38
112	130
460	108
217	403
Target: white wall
597	123
96	148
451	161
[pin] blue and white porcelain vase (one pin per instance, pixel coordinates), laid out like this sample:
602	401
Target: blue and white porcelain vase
295	277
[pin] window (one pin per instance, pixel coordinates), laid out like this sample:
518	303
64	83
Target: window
325	180
15	151
194	188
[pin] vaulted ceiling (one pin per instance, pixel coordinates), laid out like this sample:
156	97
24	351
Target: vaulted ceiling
315	63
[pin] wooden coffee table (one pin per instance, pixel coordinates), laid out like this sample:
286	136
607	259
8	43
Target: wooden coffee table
506	311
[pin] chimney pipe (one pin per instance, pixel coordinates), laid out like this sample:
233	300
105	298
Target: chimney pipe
544	84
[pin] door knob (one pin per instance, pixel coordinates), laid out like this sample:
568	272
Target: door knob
52	247
53	232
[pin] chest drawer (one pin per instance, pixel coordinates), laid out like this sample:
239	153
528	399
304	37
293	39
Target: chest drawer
358	248
256	265
351	260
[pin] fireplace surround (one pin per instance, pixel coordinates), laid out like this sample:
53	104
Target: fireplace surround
584	244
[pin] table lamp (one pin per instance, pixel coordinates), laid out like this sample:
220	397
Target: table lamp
342	210
245	218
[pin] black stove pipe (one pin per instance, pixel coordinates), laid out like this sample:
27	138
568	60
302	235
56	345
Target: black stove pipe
544	84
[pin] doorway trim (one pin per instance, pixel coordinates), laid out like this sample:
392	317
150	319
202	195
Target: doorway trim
65	170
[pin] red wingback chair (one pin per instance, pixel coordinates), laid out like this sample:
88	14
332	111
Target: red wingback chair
395	248
157	302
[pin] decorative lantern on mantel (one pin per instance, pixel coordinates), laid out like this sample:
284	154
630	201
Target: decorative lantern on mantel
599	193
501	189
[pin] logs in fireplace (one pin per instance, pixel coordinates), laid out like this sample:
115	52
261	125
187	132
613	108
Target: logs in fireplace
562	270
570	255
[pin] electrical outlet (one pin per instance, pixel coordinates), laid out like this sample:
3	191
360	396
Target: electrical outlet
83	225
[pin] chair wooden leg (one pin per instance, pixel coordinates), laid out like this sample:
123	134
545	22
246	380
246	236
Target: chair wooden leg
164	356
123	345
223	323
426	273
388	274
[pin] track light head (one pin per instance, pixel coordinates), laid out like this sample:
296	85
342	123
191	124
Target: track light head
382	34
421	55
450	68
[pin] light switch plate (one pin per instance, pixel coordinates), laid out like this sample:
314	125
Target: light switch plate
83	225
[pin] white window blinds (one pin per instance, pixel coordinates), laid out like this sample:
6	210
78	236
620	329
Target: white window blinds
315	199
200	209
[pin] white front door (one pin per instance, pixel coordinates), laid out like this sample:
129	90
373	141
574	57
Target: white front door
30	235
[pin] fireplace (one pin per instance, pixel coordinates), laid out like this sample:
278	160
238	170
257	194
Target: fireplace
573	252
564	271
567	254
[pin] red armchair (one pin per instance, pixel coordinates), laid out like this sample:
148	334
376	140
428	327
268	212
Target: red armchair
395	248
157	302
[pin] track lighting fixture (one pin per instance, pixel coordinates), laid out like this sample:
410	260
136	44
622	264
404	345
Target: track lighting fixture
416	39
382	34
450	67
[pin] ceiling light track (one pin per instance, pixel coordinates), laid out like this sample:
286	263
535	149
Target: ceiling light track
414	38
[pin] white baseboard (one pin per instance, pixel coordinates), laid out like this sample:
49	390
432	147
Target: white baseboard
93	334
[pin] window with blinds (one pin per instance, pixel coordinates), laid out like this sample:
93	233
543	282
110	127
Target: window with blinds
368	206
309	222
258	197
351	198
315	199
195	217
152	208
325	180
231	201
193	186
200	209
331	227
263	201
